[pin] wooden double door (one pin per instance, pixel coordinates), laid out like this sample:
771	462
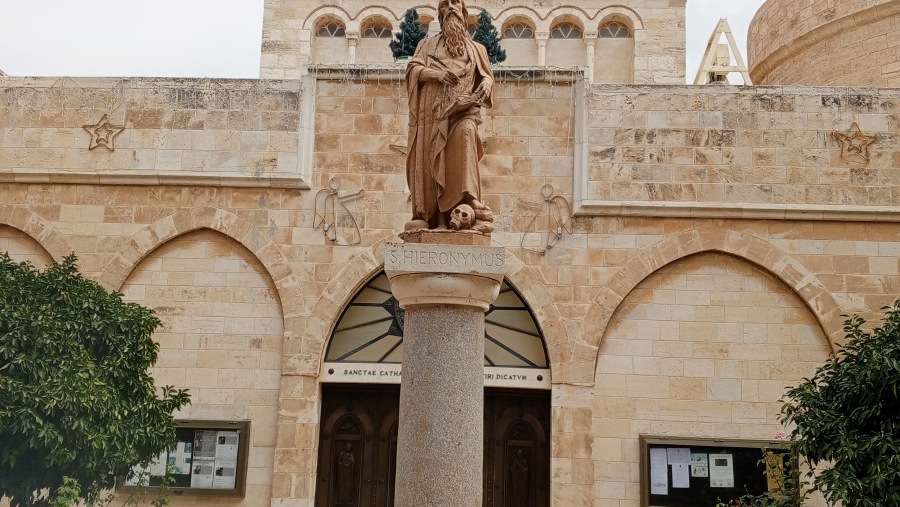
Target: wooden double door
358	447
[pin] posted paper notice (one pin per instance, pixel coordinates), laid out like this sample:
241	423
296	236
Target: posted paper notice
659	472
699	464
681	476
678	455
721	471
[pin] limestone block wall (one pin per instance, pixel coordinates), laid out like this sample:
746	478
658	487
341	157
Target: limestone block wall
169	130
290	38
750	152
249	285
814	43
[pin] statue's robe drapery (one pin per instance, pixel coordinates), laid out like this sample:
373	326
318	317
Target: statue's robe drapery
444	149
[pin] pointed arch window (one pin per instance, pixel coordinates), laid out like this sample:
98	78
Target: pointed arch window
614	30
331	29
566	31
377	30
370	331
518	31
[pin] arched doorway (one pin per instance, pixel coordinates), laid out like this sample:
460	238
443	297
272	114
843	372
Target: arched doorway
361	397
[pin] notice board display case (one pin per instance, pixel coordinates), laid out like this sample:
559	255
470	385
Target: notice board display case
209	458
701	472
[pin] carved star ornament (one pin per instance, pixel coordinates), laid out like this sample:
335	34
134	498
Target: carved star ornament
103	133
855	144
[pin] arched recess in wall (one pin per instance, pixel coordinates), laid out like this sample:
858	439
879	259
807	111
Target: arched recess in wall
221	334
566	46
38	228
756	251
329	40
151	237
518	39
21	247
704	346
614	53
375	33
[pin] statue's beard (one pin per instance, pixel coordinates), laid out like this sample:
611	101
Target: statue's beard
455	34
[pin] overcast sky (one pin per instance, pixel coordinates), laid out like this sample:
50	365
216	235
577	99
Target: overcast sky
203	38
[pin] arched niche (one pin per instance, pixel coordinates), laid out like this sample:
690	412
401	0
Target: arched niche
329	40
221	333
21	247
566	46
518	39
614	53
704	346
368	337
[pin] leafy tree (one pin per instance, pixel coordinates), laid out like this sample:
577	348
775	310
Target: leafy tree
847	417
486	34
787	487
76	398
411	32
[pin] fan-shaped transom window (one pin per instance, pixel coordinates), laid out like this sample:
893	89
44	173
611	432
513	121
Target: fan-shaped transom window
377	30
566	31
371	332
518	31
614	30
330	29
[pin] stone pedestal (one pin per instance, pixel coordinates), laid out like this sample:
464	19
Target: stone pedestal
445	290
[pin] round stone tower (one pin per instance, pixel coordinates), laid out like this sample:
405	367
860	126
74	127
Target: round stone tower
815	42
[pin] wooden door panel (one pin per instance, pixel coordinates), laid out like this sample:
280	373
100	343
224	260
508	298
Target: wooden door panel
516	447
519	459
363	465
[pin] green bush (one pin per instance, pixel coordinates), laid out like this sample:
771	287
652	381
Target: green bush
847	417
76	398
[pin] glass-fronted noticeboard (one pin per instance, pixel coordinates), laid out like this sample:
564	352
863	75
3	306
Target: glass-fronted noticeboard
692	472
209	458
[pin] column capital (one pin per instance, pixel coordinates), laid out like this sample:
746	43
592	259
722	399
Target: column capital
424	274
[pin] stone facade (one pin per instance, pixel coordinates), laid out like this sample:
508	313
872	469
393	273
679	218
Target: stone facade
814	43
713	240
654	53
718	235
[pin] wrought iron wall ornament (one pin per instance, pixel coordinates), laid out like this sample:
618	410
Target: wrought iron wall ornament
854	144
332	216
557	212
103	133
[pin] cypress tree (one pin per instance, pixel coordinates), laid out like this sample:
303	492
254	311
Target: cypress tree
411	32
486	34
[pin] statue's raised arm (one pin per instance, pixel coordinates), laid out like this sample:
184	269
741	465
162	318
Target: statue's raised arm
449	80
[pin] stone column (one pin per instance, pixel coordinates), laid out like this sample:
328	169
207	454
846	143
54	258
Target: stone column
352	41
541	38
445	290
590	39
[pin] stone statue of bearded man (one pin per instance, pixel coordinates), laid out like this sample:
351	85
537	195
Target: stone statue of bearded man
449	80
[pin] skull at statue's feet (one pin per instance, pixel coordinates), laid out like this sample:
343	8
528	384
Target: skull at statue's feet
462	217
